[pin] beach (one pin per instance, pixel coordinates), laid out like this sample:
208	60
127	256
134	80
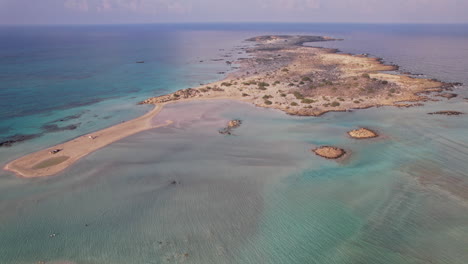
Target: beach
45	162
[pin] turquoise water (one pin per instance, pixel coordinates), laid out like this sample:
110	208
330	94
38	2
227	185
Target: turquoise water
260	196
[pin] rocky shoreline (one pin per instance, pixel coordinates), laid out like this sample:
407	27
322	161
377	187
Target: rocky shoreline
308	81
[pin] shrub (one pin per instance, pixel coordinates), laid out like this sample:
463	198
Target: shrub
203	90
334	89
276	82
268	102
340	99
267	96
301	82
335	104
291	84
366	75
307	101
306	79
263	84
384	82
356	101
392	90
176	95
283	95
226	84
285	70
312	87
244	94
294	104
298	95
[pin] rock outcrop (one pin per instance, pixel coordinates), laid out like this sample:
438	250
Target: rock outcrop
362	133
329	152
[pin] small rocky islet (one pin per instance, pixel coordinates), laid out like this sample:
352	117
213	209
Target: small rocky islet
448	113
362	133
329	152
235	123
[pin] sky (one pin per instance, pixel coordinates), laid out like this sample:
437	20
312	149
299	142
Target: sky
157	11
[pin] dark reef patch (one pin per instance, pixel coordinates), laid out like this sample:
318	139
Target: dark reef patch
17	138
49	128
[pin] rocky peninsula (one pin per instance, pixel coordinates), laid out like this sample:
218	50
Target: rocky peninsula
280	73
284	74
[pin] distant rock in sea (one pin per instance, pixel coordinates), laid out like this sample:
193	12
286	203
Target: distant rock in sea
235	123
450	113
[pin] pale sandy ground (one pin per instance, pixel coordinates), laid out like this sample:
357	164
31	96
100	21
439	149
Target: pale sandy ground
79	147
43	163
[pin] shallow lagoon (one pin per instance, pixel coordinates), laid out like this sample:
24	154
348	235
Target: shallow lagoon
260	196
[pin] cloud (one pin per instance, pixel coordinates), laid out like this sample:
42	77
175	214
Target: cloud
130	6
148	11
290	4
81	5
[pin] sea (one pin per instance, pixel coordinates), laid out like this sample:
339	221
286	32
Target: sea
187	194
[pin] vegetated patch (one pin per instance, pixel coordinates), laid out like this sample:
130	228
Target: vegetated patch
298	95
50	162
307	101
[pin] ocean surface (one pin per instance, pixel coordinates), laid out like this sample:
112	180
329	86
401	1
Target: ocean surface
186	194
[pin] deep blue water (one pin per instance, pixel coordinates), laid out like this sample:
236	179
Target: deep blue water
258	197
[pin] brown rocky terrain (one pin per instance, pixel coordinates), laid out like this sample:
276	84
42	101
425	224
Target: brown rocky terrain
362	133
329	152
300	80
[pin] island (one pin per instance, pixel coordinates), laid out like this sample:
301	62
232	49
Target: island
280	72
329	152
362	133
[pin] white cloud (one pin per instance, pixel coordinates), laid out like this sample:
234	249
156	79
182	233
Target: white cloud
132	6
81	5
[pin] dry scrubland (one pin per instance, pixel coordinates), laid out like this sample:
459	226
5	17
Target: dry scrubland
300	80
